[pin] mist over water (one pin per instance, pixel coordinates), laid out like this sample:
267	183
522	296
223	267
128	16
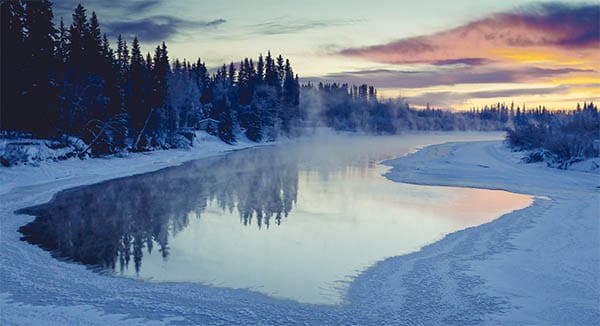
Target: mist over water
295	220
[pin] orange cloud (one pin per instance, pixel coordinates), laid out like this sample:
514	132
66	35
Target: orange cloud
557	33
555	47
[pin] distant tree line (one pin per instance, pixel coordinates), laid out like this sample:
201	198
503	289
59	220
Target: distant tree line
357	108
560	137
70	81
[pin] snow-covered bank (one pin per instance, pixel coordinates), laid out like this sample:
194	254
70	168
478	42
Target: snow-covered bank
539	265
493	272
34	287
75	172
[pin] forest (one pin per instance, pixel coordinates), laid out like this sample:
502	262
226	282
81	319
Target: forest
70	82
67	83
561	138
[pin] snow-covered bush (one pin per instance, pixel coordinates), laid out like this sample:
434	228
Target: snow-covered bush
22	151
560	139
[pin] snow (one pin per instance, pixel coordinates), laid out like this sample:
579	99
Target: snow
538	265
16	151
589	165
93	170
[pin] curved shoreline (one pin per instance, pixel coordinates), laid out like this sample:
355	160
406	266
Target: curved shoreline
490	273
528	266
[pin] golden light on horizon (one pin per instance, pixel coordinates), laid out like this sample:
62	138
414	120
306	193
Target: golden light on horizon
576	80
539	55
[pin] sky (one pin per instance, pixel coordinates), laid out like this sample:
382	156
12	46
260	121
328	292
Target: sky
452	54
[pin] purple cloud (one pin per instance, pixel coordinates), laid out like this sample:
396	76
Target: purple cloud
417	79
158	28
555	27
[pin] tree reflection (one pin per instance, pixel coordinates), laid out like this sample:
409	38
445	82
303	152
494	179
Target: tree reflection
114	222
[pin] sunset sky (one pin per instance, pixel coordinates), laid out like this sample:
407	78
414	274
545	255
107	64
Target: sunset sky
452	54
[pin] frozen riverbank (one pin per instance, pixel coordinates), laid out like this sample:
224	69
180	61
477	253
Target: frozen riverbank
539	265
534	265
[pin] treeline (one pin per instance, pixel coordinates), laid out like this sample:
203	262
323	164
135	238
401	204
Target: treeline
356	108
559	137
70	81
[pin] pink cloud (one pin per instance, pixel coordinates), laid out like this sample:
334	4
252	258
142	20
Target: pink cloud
553	26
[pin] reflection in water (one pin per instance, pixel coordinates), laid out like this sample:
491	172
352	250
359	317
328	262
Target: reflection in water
114	221
224	220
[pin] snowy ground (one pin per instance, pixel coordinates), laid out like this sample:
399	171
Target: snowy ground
539	265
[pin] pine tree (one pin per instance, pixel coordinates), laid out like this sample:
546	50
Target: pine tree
13	62
231	74
148	62
246	82
119	57
136	92
280	70
203	82
106	96
93	45
39	44
161	122
107	52
60	70
260	70
291	97
146	120
116	115
77	35
224	111
270	70
61	44
160	71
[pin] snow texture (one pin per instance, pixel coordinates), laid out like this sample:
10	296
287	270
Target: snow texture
539	265
24	151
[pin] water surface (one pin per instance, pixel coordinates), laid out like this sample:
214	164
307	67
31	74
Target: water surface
293	221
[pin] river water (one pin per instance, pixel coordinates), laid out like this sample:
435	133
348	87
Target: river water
296	220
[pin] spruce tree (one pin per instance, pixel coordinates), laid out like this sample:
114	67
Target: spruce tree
270	70
260	70
106	96
93	45
280	70
61	44
203	82
13	60
290	97
136	93
231	75
245	82
76	53
40	98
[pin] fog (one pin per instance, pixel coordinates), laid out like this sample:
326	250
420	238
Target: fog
267	218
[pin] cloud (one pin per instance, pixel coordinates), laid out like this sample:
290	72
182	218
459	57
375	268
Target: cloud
450	99
518	92
158	28
284	25
119	8
131	18
463	61
390	78
554	26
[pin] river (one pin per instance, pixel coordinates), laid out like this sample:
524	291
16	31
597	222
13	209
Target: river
296	220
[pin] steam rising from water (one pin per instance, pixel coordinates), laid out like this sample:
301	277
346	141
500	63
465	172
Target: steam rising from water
267	218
